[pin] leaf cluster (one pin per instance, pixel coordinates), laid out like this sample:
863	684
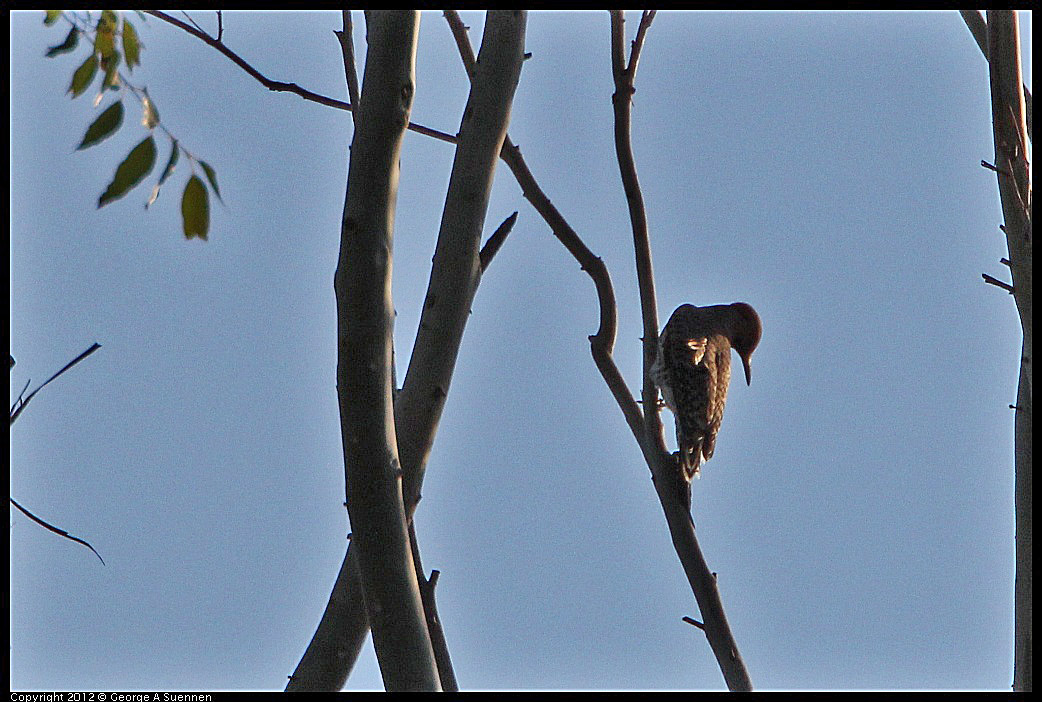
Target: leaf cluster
110	30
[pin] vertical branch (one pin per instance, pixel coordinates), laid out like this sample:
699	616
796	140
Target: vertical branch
430	610
663	465
1014	179
455	272
979	29
365	317
621	101
347	48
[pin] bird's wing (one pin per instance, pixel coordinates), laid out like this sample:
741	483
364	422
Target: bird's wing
718	367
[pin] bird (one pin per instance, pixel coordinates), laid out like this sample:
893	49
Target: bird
692	369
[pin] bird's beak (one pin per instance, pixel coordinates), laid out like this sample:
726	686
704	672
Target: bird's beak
748	372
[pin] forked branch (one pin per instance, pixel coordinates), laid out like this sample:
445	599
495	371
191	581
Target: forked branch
661	463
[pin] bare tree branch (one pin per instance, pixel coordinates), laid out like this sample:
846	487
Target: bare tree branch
1013	172
430	610
495	242
339	637
22	404
16	410
662	464
624	75
365	319
603	341
997	283
646	18
342	630
56	530
601	344
456	269
979	29
279	86
460	34
347	48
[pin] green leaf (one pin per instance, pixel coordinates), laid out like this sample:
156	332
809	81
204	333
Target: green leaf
51	17
71	40
135	166
195	209
167	172
105	34
150	116
211	175
83	76
104	126
110	64
131	45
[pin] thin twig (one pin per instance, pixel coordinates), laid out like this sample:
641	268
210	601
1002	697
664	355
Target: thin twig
694	622
26	387
446	674
998	283
189	18
56	530
278	86
495	241
990	167
603	341
347	48
646	18
459	33
17	410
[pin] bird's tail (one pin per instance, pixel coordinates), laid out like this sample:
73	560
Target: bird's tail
689	460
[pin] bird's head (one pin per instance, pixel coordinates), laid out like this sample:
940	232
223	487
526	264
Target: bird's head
745	331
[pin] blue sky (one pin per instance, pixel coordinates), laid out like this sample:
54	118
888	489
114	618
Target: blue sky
823	167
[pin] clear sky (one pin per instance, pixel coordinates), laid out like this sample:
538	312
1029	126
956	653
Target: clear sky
824	167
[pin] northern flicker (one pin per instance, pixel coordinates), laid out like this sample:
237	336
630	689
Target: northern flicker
693	369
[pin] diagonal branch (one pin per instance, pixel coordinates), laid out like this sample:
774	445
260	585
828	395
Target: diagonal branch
601	343
56	530
997	283
16	410
22	404
495	242
279	86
